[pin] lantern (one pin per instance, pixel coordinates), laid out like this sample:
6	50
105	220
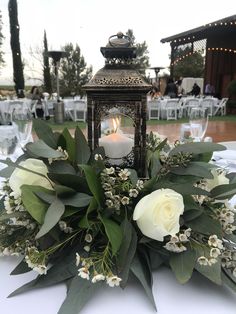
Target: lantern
116	106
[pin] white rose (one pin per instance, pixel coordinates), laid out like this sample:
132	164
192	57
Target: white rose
157	214
20	177
218	179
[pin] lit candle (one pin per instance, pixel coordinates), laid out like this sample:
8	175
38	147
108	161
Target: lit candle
116	145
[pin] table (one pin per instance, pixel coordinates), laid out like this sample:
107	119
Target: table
197	296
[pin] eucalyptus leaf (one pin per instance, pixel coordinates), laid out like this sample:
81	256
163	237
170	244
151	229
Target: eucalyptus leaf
190	204
69	211
93	182
197	148
21	268
133	176
84	222
223	191
183	264
156	260
6	172
61	167
192	214
143	274
232	177
113	232
199	169
79	293
155	165
52	216
82	152
41	149
46	197
127	251
77	200
34	205
70	145
73	181
212	272
231	237
205	225
44	132
63	190
183	189
61	271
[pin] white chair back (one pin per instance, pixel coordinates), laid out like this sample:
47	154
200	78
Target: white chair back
154	109
171	108
221	107
208	103
190	103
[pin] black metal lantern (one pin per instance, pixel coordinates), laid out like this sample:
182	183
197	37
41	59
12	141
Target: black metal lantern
117	93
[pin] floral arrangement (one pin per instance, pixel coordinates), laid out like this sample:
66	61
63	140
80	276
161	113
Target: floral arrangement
75	219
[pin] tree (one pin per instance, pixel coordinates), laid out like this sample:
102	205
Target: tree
190	65
142	58
18	75
74	72
46	68
1	39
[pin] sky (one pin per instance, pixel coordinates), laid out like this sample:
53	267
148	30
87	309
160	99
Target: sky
89	23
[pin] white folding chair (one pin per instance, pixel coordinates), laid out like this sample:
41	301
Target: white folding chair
171	109
69	108
190	103
220	107
154	109
208	103
80	110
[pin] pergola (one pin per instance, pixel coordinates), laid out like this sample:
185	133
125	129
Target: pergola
216	41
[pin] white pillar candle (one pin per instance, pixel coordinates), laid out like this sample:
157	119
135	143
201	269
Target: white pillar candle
116	145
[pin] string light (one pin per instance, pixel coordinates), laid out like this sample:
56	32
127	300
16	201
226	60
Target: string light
205	26
218	49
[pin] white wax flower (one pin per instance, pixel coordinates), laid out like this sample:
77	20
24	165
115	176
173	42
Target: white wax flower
157	214
20	177
219	178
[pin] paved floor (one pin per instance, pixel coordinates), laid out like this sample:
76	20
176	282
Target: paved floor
219	130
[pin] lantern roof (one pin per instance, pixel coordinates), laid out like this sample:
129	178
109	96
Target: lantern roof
116	78
120	70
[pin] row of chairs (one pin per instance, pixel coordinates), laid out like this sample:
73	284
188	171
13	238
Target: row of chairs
172	109
75	110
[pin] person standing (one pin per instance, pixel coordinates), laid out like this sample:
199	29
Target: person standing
209	90
171	89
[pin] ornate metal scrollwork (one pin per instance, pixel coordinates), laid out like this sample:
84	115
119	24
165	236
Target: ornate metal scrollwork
104	110
120	81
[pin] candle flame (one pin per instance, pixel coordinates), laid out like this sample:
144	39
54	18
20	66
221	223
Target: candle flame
116	124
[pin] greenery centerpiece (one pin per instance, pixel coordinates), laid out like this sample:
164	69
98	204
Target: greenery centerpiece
75	219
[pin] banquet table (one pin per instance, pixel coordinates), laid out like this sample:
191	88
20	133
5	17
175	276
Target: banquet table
197	296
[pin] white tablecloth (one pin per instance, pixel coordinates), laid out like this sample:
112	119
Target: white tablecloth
198	296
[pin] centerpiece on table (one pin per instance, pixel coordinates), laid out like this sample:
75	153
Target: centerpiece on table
75	219
78	216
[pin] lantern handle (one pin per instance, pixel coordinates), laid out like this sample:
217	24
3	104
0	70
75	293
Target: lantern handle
120	35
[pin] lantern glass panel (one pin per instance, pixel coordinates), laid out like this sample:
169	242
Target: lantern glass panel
117	138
